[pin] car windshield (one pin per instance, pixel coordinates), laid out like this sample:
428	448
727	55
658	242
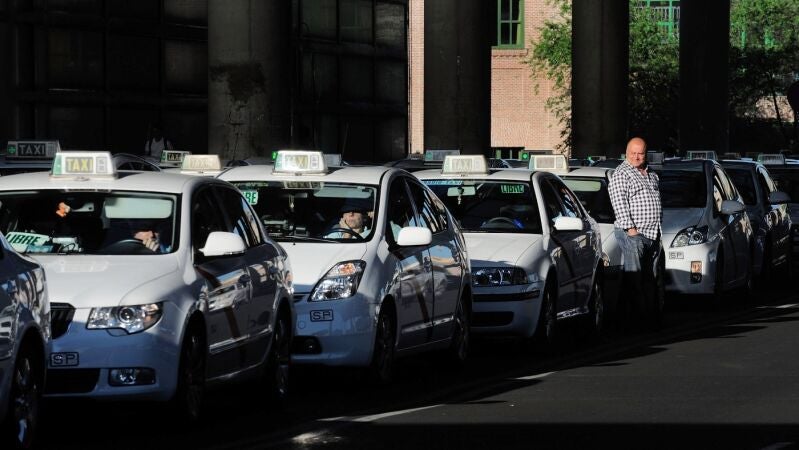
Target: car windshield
323	211
593	194
91	222
745	183
787	181
490	206
685	188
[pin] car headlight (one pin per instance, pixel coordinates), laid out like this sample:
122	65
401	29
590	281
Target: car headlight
131	318
690	236
499	276
340	282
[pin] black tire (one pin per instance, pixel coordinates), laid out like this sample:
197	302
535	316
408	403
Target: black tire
25	400
546	331
596	308
190	391
381	370
276	375
461	334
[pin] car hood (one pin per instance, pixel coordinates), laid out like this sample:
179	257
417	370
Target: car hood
93	281
678	219
311	261
492	248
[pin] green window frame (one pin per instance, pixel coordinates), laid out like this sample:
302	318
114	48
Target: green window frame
510	24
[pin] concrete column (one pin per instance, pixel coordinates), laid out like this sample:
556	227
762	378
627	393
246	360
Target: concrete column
600	74
704	66
457	75
248	77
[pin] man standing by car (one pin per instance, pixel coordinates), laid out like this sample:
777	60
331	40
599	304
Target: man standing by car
635	197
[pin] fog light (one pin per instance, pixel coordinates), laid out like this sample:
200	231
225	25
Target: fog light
306	345
131	376
696	271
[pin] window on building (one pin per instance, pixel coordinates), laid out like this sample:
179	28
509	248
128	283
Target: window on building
510	24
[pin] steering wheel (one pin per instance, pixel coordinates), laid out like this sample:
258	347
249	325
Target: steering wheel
127	247
505	220
346	231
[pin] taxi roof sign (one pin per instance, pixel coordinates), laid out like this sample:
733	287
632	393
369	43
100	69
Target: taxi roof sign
300	161
32	149
173	158
549	163
771	159
80	164
701	154
464	164
655	157
201	163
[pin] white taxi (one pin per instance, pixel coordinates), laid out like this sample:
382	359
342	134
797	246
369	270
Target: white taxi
384	270
536	254
160	284
24	337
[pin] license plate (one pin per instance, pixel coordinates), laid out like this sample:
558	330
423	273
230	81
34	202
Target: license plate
64	359
325	315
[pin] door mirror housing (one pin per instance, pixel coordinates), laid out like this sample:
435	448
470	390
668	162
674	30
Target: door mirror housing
568	224
222	243
778	198
731	207
412	236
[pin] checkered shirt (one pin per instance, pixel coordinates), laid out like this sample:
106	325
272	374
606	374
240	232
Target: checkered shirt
636	200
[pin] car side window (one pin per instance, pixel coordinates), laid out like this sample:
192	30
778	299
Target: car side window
728	190
206	217
427	212
399	211
551	202
441	210
766	186
240	216
718	195
570	203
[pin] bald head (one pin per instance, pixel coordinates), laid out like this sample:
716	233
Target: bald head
636	152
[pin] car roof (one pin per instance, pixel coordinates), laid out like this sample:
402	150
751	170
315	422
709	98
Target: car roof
493	174
348	174
127	181
739	164
593	171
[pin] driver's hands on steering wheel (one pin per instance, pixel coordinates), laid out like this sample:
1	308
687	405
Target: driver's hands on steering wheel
149	239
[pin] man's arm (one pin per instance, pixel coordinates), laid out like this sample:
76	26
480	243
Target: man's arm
617	189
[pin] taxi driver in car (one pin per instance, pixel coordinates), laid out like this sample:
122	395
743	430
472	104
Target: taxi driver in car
356	214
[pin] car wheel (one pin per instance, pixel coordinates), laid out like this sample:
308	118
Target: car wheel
596	307
22	421
279	361
382	367
190	391
546	332
461	334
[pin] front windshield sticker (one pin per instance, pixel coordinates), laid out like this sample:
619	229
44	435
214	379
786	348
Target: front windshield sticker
251	196
20	241
443	182
512	188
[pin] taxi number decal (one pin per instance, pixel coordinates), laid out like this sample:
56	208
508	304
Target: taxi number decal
251	197
512	188
324	315
64	359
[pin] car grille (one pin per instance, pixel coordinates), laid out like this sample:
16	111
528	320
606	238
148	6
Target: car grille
60	317
71	381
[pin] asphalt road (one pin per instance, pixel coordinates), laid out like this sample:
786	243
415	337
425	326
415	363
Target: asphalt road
709	379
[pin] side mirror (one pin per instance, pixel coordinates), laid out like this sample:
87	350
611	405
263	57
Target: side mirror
222	243
731	207
411	236
778	197
568	224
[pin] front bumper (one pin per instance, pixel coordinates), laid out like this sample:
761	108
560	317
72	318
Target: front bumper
80	360
679	278
344	330
507	310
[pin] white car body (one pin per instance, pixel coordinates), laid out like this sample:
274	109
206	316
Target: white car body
565	261
232	302
420	286
696	267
